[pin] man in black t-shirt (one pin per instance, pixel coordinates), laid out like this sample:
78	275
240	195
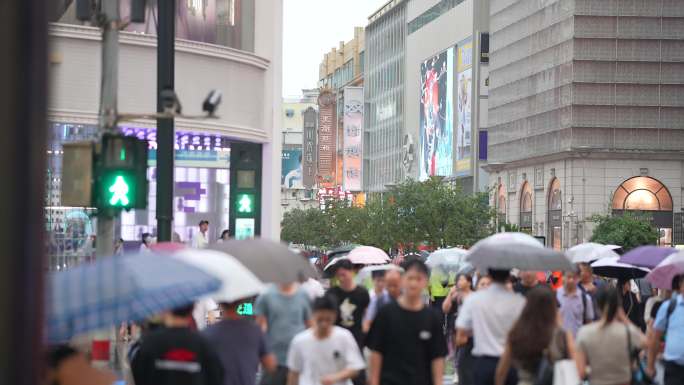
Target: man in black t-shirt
406	339
176	355
352	302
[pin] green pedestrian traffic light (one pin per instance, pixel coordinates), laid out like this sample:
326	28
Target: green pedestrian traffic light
121	174
245	204
119	192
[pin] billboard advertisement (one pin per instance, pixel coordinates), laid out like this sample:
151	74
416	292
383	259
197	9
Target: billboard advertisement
436	115
464	103
291	176
352	138
327	139
309	148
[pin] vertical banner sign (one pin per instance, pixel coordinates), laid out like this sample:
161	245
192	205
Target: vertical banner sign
353	138
464	68
326	139
309	148
437	115
291	177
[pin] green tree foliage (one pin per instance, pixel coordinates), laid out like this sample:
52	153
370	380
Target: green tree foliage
628	231
409	214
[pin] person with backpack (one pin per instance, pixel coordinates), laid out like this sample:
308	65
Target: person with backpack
669	324
576	307
534	338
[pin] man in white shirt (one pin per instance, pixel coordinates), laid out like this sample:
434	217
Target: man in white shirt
324	354
201	239
488	315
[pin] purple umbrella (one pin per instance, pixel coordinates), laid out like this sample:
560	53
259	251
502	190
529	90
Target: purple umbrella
647	256
661	277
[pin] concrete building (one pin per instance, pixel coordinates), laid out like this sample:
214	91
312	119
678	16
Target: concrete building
234	46
342	67
586	114
446	91
384	87
294	192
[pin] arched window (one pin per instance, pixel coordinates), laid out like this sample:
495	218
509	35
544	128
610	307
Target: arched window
526	207
555	214
555	200
501	200
642	193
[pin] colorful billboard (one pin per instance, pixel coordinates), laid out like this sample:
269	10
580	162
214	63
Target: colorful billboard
352	138
436	115
464	68
291	172
327	139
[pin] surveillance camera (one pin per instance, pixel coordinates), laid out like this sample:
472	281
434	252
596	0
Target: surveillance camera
211	102
170	102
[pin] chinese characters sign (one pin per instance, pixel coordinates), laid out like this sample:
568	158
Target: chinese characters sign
353	138
309	156
327	143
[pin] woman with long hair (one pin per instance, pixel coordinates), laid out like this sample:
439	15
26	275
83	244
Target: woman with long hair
535	334
463	357
604	345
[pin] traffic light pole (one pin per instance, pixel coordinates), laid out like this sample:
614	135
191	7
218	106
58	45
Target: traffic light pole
166	35
108	107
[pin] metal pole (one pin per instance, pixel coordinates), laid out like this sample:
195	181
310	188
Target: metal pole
166	34
23	101
108	106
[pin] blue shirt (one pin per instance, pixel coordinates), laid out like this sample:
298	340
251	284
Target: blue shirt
286	315
674	339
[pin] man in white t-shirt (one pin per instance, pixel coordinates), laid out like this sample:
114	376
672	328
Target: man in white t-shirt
324	354
201	239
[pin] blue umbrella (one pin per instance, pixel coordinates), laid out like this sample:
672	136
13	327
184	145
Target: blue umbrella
119	289
647	256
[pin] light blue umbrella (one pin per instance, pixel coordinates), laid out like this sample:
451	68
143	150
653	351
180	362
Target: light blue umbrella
120	289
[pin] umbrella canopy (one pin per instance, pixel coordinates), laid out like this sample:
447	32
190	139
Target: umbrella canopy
611	267
647	256
368	255
448	260
505	251
368	271
661	277
120	289
590	252
237	281
331	264
341	251
270	261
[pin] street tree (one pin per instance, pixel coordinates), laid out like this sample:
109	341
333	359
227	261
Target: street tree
627	230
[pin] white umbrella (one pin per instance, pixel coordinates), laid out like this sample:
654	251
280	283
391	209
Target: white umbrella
505	251
367	271
447	259
334	262
611	268
590	252
238	282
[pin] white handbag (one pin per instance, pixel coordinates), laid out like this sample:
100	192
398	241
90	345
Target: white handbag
565	373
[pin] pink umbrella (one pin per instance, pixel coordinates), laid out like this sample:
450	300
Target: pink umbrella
661	277
170	247
368	255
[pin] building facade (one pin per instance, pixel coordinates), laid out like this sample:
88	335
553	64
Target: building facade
296	192
446	91
341	69
384	89
234	46
586	114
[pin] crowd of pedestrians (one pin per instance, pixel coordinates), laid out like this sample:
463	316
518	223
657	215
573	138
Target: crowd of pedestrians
502	328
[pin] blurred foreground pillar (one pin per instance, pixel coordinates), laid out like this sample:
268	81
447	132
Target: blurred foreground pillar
23	95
